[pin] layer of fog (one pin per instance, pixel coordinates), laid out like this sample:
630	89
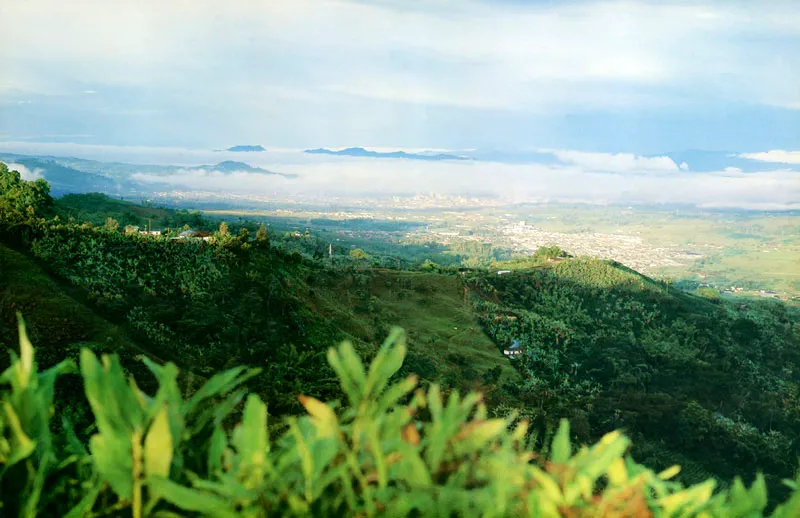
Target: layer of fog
367	177
26	173
580	177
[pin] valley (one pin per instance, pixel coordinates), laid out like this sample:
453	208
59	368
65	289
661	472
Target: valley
367	259
703	379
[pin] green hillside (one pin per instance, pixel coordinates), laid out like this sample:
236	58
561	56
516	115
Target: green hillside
446	342
386	449
95	208
708	383
57	321
265	303
711	384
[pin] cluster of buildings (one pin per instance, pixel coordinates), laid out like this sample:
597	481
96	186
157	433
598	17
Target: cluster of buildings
186	234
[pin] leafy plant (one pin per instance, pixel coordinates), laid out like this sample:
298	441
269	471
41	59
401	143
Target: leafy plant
388	449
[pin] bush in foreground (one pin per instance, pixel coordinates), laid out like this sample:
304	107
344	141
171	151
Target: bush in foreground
389	449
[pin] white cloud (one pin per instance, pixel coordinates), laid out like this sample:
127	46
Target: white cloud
617	162
326	176
583	176
239	182
26	173
589	54
775	156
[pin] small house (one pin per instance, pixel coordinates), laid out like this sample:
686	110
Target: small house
513	350
503	272
195	234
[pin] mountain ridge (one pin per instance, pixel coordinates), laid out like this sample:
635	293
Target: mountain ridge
244	148
362	152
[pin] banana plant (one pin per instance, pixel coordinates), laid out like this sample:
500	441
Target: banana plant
390	448
26	443
142	438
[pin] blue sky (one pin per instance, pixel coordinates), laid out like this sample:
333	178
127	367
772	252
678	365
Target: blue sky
636	77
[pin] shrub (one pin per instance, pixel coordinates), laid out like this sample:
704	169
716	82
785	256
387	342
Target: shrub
711	294
389	449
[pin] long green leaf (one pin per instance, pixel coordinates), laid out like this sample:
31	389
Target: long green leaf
190	499
158	446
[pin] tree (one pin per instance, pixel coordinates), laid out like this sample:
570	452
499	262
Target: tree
711	294
244	235
262	236
111	224
21	199
223	229
549	252
358	254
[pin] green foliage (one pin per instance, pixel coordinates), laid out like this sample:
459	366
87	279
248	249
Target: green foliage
358	254
111	224
262	237
94	208
204	305
223	229
607	348
21	200
709	293
713	387
26	443
549	252
392	449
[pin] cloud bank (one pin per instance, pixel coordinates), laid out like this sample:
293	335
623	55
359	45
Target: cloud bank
25	173
619	162
572	176
659	183
305	73
776	156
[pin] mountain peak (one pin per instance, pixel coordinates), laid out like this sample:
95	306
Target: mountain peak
243	148
361	152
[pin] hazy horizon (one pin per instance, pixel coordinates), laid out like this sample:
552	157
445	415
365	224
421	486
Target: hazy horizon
570	177
641	101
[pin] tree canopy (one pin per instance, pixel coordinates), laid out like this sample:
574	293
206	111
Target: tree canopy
22	199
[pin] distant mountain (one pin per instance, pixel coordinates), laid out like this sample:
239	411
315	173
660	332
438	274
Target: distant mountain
246	148
230	166
63	177
75	175
361	152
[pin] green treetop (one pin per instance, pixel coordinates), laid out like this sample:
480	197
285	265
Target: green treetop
21	199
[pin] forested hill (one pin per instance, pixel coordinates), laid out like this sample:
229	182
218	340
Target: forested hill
711	382
708	383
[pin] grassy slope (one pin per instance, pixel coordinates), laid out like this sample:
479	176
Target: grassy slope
47	308
446	342
57	323
96	207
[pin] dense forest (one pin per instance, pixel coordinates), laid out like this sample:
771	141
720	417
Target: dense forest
706	381
694	379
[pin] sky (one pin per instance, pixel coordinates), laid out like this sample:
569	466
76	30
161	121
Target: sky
623	99
635	77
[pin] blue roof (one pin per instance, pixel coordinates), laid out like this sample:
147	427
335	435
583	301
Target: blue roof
515	344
